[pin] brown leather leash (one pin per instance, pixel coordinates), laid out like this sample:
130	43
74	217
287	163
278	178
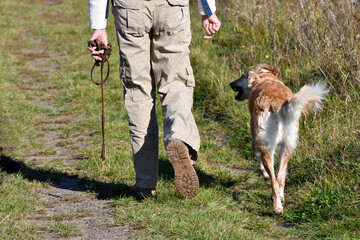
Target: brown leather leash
104	59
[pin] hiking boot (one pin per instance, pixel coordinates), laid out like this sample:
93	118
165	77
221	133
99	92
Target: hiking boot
186	180
142	193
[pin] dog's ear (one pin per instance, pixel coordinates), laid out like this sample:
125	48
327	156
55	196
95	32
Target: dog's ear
250	82
250	75
265	68
251	78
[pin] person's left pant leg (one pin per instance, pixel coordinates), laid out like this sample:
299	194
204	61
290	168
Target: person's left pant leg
132	22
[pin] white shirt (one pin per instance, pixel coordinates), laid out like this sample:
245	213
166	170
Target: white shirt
98	11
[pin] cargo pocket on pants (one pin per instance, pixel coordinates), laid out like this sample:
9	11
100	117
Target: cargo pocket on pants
190	77
178	19
128	17
187	76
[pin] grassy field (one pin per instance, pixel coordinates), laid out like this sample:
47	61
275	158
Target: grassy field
45	87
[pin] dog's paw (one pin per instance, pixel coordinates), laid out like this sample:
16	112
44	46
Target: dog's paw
278	211
266	175
266	178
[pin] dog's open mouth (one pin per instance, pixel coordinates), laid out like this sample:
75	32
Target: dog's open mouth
237	88
238	97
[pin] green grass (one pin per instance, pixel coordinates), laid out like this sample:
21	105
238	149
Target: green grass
63	230
308	40
17	201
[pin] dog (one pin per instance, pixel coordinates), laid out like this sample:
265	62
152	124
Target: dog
275	113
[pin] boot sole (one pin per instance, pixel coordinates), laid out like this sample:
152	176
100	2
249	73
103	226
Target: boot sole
186	179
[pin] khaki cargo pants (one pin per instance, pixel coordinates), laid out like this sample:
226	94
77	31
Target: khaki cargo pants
154	38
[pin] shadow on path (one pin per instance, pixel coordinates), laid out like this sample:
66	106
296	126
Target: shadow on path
61	180
104	190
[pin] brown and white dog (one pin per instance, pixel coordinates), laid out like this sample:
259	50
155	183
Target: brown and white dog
275	113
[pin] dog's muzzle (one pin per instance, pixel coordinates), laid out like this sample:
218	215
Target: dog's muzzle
238	89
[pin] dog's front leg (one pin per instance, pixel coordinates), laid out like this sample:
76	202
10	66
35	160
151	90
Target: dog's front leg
267	160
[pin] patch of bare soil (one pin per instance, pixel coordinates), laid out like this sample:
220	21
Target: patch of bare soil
68	202
67	198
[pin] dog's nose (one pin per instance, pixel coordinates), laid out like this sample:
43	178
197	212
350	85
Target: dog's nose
234	87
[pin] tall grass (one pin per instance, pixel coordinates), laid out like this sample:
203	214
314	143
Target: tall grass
320	38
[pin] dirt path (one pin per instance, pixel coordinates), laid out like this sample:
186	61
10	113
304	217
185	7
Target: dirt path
68	203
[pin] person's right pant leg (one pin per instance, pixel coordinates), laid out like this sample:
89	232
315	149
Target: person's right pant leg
173	73
132	21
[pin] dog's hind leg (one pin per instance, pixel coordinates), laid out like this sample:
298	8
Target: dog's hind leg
260	161
284	156
286	148
267	159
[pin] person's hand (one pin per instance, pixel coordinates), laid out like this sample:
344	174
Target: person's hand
211	25
99	34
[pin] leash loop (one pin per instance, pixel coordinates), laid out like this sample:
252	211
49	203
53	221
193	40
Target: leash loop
106	77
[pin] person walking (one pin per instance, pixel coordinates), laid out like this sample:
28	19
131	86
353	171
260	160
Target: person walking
153	38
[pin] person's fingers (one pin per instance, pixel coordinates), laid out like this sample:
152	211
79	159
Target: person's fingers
216	26
97	58
96	54
211	28
207	30
211	25
207	37
91	49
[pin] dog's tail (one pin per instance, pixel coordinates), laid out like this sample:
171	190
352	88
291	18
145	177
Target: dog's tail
309	98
